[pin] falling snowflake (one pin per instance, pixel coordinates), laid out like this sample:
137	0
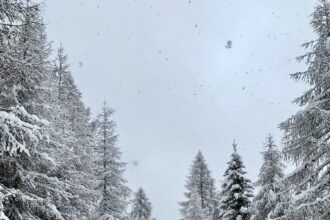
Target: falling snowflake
229	44
135	163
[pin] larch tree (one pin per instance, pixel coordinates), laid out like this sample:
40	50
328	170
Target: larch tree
41	173
24	175
270	201
110	169
236	192
19	83
73	135
141	206
200	190
66	93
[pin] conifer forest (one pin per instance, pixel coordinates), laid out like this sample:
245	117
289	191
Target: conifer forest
68	153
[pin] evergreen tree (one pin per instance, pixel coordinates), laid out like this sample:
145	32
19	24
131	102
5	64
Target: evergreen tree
112	185
73	135
25	178
194	210
41	172
270	202
19	83
200	190
236	191
67	95
141	207
307	132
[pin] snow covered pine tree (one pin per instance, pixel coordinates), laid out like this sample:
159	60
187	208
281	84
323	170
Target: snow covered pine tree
236	191
36	180
270	202
72	137
307	132
141	207
200	193
110	168
23	68
194	210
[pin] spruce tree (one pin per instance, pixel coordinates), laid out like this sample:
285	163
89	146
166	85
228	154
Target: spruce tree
200	190
110	168
236	191
307	132
270	200
141	207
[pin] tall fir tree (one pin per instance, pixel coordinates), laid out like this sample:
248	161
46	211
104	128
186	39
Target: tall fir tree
141	207
110	169
307	132
270	201
236	191
200	190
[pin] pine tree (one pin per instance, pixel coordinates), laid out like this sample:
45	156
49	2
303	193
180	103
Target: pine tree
270	201
200	190
307	132
236	191
112	185
141	207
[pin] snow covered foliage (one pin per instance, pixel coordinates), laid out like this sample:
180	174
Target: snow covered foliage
46	141
201	193
71	135
141	207
236	191
41	172
19	131
19	205
307	132
194	210
23	63
270	201
327	43
67	95
110	168
20	76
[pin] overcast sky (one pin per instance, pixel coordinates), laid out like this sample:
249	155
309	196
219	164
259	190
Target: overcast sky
163	66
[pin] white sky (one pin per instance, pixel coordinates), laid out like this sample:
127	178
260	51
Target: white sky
163	65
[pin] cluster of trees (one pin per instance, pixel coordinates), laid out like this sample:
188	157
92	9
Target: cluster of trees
56	162
203	202
301	194
275	198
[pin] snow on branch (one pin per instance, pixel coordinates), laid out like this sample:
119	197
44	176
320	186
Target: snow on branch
18	131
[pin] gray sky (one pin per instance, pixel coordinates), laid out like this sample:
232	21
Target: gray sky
163	65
